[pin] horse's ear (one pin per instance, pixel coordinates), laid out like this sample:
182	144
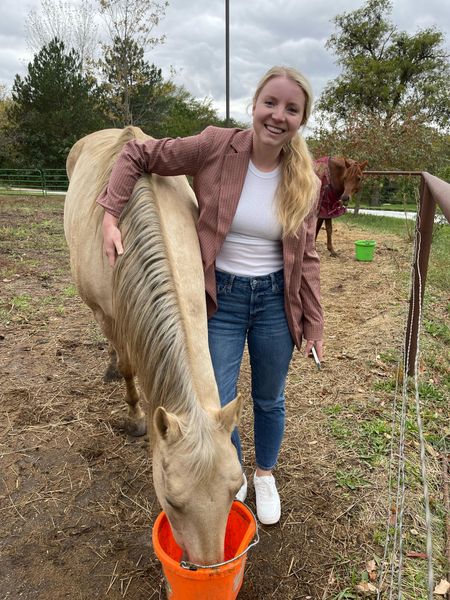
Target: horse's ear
363	165
348	162
167	425
230	415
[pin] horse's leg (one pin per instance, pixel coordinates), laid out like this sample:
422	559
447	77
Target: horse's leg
329	228
318	226
112	372
136	423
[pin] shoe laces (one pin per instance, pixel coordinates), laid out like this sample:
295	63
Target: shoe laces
266	489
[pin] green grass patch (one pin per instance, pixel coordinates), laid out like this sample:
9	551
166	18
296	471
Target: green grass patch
14	233
351	479
379	223
439	263
21	303
70	291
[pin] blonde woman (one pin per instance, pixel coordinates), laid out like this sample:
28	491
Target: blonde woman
257	196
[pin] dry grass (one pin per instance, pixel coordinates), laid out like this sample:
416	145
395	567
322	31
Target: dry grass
76	500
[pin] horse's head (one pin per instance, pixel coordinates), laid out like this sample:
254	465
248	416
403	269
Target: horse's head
347	176
196	474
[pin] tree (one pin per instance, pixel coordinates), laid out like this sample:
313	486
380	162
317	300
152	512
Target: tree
73	24
53	106
130	25
140	82
134	20
184	114
385	72
408	143
7	147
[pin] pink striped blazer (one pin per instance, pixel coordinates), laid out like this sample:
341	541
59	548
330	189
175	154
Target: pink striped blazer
218	159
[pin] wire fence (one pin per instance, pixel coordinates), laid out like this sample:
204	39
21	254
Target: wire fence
33	181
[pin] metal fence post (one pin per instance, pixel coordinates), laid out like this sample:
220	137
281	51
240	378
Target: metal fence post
43	182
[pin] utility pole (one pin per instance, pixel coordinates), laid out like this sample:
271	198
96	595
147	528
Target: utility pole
227	61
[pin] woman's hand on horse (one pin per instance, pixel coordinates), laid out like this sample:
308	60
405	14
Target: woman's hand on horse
112	239
318	344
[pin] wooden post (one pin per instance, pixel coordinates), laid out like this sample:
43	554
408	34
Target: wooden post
422	247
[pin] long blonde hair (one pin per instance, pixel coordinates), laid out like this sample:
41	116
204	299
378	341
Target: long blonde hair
298	186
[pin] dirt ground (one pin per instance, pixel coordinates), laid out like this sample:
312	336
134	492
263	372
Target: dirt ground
76	498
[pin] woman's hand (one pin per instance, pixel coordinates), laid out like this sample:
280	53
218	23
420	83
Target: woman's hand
318	344
112	239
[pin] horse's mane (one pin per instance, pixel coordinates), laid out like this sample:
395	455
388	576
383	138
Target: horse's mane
150	328
354	169
104	147
104	155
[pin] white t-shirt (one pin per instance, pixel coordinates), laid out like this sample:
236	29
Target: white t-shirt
253	244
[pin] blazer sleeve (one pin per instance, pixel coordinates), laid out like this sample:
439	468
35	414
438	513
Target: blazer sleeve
310	284
168	156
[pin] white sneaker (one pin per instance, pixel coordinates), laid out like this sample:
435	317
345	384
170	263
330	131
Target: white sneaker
242	493
268	506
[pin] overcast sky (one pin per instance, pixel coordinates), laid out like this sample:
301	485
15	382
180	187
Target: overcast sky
262	33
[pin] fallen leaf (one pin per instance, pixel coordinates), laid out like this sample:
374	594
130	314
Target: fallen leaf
379	373
371	568
414	532
421	555
442	587
431	450
366	588
393	517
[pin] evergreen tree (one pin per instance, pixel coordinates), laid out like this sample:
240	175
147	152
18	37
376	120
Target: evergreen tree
131	83
53	106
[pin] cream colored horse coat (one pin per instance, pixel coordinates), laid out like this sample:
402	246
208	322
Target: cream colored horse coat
152	308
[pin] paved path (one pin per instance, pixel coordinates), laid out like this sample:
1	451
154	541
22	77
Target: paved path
399	214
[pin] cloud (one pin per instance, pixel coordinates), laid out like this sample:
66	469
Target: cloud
262	33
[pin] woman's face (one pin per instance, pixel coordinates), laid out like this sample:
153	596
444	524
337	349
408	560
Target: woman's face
278	112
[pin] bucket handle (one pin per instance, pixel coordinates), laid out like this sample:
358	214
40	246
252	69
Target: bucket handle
193	566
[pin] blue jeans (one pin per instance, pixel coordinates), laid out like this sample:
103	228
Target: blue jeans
252	309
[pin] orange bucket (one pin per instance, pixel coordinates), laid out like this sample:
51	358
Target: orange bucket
216	582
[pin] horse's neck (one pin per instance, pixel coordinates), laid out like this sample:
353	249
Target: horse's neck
183	252
337	176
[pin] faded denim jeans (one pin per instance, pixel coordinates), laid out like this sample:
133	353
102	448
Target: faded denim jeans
252	309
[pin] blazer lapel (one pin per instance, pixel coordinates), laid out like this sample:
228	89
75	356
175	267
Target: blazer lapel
234	171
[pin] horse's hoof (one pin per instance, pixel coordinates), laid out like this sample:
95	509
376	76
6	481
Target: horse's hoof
111	374
334	254
136	428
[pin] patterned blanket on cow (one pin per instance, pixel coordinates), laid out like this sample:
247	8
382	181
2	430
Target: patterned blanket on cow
330	204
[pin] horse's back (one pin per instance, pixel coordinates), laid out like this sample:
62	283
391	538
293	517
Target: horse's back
88	165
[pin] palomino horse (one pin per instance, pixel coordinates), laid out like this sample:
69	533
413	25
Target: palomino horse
152	308
340	179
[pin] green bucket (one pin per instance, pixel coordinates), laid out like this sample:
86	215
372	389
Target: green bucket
364	250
